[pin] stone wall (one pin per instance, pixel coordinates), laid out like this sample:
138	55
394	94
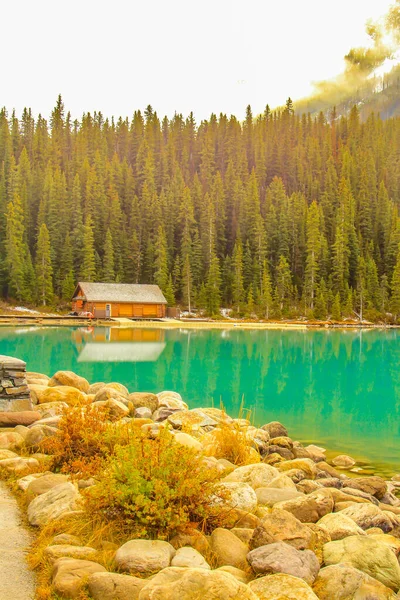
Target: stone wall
14	391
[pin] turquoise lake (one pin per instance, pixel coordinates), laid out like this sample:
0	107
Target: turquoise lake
339	389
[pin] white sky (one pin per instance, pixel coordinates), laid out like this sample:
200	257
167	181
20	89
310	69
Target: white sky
177	55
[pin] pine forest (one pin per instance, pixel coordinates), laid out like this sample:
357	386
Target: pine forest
277	216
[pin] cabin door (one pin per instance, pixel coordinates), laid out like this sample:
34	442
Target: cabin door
108	311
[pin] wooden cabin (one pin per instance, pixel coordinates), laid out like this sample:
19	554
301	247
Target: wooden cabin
107	300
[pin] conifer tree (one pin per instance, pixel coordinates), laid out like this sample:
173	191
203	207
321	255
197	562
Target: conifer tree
15	255
161	260
88	268
395	287
213	300
44	269
266	293
108	260
187	283
238	288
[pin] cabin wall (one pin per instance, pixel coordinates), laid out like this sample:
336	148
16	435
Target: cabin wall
122	309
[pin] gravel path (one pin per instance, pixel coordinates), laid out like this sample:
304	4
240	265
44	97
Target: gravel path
16	580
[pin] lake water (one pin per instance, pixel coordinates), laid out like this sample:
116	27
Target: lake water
339	389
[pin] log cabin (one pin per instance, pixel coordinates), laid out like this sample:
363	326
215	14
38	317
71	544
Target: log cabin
129	300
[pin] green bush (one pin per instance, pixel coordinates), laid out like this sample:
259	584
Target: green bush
152	487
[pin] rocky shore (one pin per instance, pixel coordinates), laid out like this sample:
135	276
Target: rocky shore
280	522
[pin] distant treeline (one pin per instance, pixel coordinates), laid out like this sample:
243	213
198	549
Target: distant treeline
279	215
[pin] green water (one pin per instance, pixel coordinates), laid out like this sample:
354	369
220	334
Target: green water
340	389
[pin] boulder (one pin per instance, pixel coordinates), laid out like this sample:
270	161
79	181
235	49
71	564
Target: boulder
70	379
282	558
57	551
114	586
283	482
191	420
240	575
41	485
193	538
192	584
320	538
7	454
171	400
343	461
390	540
142	413
34	375
366	554
11	440
317	454
19	464
189	557
188	440
329	470
51	409
340	526
109	393
38	434
228	549
12	419
257	475
63	393
218	415
144	556
118	387
282	587
275	429
236	495
144	400
306	465
95	387
243	533
376	486
71	574
311	507
282	441
368	515
283	452
281	526
270	496
53	504
343	582
114	409
24	482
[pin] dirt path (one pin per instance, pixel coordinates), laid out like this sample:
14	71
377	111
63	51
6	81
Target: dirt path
16	580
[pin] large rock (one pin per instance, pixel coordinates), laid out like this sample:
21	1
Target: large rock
228	549
41	485
37	434
311	507
7	454
368	555
195	584
343	461
340	526
275	429
13	418
171	400
11	440
376	486
189	557
63	393
114	409
281	526
270	496
236	495
191	420
282	481
70	379
282	587
282	558
114	586
57	551
343	582
51	409
70	575
257	475
306	465
19	465
52	504
144	400
193	538
188	440
144	556
369	515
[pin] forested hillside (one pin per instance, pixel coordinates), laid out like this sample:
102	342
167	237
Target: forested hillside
279	215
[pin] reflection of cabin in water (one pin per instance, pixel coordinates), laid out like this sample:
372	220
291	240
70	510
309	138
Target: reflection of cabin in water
106	300
114	344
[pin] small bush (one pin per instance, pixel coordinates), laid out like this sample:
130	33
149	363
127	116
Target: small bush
152	487
232	443
84	439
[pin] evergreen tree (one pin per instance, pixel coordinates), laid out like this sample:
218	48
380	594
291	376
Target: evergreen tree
266	293
108	260
213	300
15	255
238	288
161	260
88	268
44	269
395	287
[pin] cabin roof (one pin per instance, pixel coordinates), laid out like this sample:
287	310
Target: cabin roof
134	293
